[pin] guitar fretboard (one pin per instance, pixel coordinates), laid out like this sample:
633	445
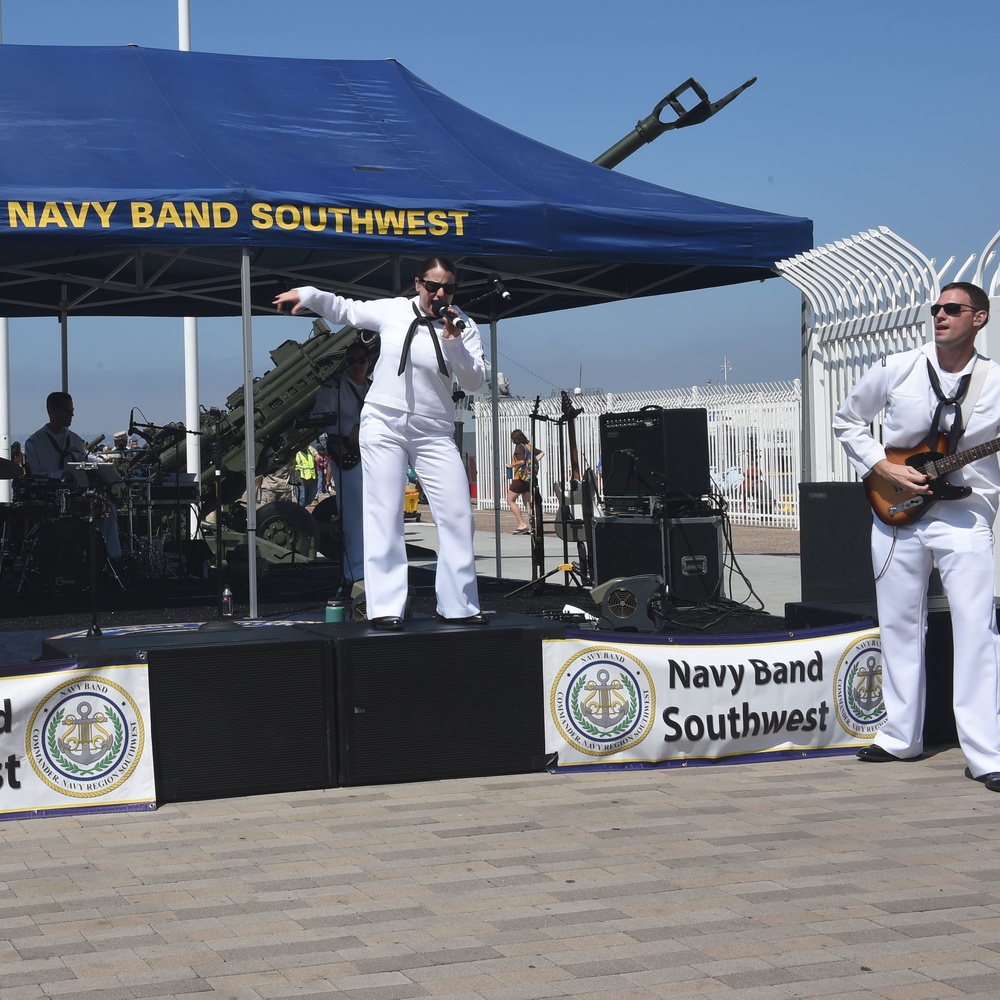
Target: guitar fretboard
949	463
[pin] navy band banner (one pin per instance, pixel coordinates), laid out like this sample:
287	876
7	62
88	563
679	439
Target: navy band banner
74	739
615	702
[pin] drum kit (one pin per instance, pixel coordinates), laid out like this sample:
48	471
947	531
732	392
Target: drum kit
58	527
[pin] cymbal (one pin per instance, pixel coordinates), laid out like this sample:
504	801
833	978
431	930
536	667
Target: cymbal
9	469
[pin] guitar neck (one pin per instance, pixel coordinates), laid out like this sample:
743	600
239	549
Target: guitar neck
949	463
570	415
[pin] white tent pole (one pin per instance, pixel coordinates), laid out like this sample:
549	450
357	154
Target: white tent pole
192	415
192	387
184	25
248	429
495	406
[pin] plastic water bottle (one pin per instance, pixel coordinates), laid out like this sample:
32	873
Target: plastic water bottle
227	603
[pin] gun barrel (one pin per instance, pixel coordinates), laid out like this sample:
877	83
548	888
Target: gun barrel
653	126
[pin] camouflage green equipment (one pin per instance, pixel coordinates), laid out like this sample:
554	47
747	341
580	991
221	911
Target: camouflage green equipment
282	400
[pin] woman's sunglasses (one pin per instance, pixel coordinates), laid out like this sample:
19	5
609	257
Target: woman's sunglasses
450	287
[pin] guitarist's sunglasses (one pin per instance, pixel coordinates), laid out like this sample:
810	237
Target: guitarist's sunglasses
952	308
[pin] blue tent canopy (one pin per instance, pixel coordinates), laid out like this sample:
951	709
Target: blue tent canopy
132	180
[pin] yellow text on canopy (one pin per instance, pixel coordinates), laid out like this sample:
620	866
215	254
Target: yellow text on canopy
225	215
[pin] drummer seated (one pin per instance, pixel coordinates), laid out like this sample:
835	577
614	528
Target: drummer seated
54	446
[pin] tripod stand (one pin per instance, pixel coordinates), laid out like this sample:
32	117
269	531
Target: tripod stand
224	619
568	527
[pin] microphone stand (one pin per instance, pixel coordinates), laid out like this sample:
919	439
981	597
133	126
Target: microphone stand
221	623
94	632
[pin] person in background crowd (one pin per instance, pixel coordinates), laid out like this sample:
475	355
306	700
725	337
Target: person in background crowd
277	485
305	475
408	418
523	465
322	470
119	455
17	457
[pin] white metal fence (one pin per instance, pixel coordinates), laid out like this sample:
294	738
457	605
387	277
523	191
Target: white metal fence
863	298
753	436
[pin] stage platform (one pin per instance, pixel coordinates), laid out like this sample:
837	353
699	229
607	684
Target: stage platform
768	576
256	708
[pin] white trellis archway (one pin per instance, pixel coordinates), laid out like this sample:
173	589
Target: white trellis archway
863	298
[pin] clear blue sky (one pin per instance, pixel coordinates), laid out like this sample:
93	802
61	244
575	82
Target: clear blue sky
864	114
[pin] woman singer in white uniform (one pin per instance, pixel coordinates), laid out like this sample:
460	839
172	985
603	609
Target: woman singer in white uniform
408	418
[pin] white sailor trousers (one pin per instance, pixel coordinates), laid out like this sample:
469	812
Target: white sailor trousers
960	541
390	440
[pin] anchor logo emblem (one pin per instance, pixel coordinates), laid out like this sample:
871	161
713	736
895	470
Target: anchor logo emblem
868	684
602	701
86	738
857	687
606	701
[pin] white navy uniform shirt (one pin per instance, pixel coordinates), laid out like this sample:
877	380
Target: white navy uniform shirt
900	385
43	455
421	389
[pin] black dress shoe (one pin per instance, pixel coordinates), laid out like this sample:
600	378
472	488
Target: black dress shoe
991	780
874	754
387	623
477	619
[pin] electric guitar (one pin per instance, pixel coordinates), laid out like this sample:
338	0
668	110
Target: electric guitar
894	506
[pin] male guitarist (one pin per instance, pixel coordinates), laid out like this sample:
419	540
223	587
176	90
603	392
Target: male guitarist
922	393
342	398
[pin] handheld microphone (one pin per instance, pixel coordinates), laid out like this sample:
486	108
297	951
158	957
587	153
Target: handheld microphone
499	287
441	310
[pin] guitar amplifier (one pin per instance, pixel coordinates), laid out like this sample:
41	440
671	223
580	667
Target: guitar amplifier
654	452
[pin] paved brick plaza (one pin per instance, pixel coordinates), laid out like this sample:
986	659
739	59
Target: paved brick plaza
807	878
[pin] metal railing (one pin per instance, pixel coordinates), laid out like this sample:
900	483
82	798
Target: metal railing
753	436
863	298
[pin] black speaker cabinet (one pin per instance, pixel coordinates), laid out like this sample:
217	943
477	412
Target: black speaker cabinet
238	712
835	527
685	551
628	546
434	701
654	452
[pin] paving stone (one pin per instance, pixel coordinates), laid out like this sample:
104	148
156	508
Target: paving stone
781	879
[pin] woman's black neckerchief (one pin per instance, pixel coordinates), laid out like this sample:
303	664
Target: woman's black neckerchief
421	319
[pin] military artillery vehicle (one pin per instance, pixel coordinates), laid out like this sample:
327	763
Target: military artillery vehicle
282	401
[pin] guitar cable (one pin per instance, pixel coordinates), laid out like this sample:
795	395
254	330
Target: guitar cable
888	558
